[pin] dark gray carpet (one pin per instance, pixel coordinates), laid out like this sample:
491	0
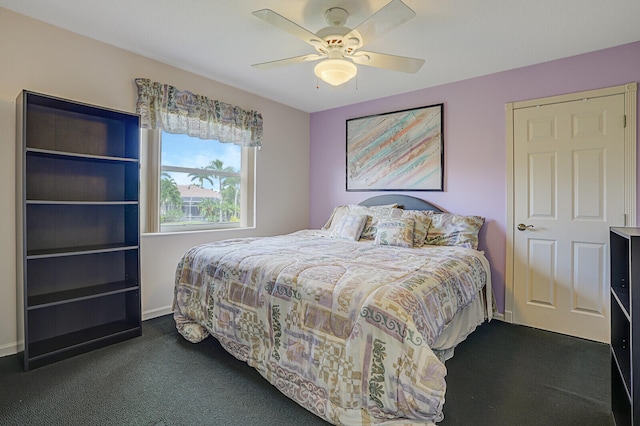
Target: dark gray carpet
502	375
505	374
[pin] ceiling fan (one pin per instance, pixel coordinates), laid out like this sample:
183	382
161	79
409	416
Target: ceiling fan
338	46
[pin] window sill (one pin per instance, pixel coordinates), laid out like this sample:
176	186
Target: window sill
198	231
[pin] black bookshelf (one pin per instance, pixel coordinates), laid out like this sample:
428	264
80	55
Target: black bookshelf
78	237
625	333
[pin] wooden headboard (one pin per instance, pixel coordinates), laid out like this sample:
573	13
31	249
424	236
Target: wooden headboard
406	202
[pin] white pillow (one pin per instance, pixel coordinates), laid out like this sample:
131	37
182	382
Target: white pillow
336	215
350	227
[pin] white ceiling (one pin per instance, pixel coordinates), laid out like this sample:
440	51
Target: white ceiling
459	39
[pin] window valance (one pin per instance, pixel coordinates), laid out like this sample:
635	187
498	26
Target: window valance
162	106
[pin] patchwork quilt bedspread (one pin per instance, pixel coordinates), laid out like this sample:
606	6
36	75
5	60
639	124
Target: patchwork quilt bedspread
344	328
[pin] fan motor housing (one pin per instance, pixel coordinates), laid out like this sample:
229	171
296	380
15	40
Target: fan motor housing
336	16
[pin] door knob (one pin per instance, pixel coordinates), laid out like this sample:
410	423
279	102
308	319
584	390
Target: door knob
522	226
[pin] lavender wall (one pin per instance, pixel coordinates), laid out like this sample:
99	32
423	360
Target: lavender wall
475	140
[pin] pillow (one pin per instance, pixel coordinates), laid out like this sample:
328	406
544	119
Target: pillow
422	223
346	209
350	227
336	215
375	214
395	232
448	229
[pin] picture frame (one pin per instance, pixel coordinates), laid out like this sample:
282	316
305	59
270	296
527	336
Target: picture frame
396	151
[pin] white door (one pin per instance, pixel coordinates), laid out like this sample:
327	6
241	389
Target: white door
569	188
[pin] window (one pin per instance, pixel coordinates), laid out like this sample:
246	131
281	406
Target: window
204	184
223	172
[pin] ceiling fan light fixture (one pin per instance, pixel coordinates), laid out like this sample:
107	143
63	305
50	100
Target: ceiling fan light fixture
335	71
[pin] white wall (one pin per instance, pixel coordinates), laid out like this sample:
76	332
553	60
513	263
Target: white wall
42	58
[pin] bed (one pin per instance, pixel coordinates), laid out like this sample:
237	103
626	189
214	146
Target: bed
353	321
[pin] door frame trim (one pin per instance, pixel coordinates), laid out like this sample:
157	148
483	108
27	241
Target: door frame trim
630	91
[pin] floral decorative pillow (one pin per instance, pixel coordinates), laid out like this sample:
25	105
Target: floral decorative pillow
422	223
448	229
349	227
395	232
375	214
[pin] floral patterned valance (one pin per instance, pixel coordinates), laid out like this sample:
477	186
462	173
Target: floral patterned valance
164	107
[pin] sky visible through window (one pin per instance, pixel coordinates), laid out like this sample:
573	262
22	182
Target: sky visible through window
181	150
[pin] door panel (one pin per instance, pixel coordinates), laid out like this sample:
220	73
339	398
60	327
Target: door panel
541	280
589	283
588	185
543	185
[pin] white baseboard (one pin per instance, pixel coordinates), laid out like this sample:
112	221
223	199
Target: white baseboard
508	316
9	349
155	313
500	317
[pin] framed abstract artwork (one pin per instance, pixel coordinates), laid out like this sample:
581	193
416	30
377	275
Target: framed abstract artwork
397	151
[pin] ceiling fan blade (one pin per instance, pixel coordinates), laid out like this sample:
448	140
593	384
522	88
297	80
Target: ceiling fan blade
292	28
390	62
288	61
390	16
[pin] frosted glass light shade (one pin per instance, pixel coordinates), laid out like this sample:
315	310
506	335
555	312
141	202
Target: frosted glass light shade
335	71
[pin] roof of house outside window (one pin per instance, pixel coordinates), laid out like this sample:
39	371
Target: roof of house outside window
194	191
